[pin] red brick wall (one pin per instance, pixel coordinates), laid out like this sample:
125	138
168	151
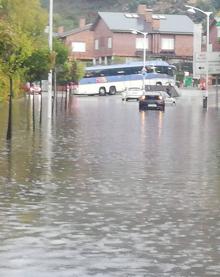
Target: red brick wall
124	44
83	36
184	45
102	33
213	38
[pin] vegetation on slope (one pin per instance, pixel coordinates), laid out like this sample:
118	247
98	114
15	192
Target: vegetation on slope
68	12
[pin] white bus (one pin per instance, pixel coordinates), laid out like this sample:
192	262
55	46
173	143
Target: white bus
111	79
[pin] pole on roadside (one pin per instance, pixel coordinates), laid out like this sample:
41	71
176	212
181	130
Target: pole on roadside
9	131
216	91
192	9
205	98
50	74
133	31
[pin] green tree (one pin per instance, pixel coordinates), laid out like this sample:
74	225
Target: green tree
61	61
27	21
28	15
76	71
61	52
14	49
37	65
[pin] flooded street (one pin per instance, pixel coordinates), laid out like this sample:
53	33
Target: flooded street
110	191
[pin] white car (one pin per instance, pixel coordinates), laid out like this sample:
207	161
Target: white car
169	100
35	89
133	93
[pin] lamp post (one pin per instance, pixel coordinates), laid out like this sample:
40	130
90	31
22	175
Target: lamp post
192	9
144	52
50	41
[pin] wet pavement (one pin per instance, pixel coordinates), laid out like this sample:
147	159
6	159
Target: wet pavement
107	190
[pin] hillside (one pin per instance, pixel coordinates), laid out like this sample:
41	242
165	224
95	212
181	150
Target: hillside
68	12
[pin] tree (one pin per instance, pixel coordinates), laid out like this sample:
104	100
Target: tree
76	71
37	65
61	60
14	49
28	15
216	4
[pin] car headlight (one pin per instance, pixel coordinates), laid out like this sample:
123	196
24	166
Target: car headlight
142	97
160	97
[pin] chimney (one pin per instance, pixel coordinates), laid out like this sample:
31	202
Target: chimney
156	23
146	13
82	22
60	30
141	9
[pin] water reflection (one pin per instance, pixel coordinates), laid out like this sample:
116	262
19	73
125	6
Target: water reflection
104	190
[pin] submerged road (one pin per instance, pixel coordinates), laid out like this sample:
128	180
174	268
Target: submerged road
107	190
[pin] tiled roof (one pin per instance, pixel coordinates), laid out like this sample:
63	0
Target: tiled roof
74	31
124	22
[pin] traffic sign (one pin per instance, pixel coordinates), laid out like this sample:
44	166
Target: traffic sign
213	63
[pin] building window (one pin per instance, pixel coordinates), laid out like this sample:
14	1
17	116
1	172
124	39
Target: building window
167	44
109	42
140	43
96	44
78	47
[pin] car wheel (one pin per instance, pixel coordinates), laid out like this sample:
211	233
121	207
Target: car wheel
102	91
112	90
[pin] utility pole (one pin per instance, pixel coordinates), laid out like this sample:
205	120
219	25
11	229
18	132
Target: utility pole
50	74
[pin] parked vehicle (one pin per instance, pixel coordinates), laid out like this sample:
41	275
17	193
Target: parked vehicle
168	99
152	100
132	93
35	89
112	79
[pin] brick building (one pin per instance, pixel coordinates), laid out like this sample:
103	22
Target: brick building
169	36
110	38
215	34
79	41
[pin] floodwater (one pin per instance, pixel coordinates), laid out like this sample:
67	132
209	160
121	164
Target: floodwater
106	190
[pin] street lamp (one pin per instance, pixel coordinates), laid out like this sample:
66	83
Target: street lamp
50	41
135	32
193	10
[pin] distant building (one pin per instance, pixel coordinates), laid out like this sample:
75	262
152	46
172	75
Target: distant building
215	34
110	39
169	37
79	41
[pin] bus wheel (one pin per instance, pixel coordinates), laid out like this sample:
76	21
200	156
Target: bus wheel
112	90
102	91
158	84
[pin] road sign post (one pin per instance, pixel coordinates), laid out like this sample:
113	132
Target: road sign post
213	63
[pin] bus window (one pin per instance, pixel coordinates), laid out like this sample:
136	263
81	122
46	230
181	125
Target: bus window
149	69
